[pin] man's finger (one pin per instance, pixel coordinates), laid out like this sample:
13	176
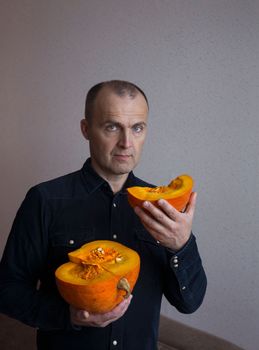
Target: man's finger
118	310
192	203
168	209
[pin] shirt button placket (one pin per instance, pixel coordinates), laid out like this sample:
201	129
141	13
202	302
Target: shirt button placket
116	341
117	328
114	218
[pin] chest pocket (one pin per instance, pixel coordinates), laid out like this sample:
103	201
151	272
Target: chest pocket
61	243
152	260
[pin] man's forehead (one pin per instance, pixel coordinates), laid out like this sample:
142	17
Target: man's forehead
131	120
114	107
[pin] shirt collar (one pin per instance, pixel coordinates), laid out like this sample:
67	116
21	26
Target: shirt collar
93	181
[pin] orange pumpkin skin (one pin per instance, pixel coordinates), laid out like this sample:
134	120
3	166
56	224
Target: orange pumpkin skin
98	276
177	193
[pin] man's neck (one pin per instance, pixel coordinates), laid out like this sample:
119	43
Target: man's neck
116	182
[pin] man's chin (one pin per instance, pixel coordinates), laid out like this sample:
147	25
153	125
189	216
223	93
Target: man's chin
122	169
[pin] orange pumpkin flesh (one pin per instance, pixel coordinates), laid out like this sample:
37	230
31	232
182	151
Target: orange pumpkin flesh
98	276
177	193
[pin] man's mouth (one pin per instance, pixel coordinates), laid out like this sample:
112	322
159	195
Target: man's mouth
122	156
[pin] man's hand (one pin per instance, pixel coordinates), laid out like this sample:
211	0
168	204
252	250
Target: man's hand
83	318
166	224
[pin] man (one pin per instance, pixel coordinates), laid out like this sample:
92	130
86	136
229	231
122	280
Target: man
60	215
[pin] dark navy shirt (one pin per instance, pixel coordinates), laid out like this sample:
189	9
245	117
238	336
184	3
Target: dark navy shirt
59	216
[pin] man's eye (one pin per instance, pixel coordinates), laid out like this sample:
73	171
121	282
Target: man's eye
138	128
111	127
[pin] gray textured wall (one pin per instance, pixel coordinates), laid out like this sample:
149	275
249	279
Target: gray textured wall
198	63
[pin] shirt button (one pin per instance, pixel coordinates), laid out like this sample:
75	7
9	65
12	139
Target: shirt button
114	236
176	265
114	204
183	287
114	342
71	241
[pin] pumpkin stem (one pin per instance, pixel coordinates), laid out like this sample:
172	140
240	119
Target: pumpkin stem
124	284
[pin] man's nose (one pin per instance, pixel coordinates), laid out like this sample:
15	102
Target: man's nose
125	139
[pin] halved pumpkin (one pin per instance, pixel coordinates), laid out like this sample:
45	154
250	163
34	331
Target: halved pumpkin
98	276
177	193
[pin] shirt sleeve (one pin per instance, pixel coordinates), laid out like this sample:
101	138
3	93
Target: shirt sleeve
23	261
185	278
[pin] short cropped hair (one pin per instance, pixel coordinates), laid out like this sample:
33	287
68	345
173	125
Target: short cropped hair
119	87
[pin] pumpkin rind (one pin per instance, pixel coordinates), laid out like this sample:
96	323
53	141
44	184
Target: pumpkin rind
177	193
98	280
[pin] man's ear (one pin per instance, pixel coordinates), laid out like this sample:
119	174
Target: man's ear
84	128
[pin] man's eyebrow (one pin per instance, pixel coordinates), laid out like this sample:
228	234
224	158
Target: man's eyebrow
111	121
140	123
117	123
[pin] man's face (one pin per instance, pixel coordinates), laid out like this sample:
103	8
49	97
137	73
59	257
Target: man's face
116	133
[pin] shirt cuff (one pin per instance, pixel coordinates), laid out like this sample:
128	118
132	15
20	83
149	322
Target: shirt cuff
185	257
